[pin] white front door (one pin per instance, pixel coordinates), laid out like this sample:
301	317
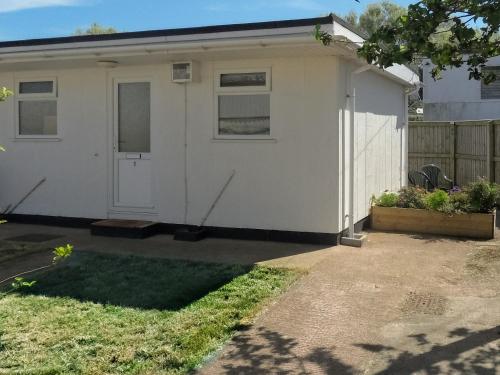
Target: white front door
132	175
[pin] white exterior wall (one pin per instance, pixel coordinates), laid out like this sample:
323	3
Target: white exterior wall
380	138
456	98
287	184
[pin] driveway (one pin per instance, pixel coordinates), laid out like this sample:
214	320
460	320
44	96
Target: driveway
401	305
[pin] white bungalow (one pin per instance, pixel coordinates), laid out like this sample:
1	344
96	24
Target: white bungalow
153	125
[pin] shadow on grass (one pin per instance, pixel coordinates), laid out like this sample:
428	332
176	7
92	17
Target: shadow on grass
262	351
137	282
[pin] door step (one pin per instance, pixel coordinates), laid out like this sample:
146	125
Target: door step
124	228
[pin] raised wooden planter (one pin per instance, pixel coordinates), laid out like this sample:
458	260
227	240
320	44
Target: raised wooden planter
431	222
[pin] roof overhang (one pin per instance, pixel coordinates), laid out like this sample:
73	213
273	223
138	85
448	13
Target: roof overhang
171	43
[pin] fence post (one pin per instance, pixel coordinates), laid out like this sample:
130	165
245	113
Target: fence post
453	160
490	156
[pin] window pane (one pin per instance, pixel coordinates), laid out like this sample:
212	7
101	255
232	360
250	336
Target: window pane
244	114
38	117
243	79
134	117
45	87
491	91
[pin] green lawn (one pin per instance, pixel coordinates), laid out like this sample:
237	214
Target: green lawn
101	314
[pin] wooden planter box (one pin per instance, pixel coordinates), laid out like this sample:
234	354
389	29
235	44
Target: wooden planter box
424	221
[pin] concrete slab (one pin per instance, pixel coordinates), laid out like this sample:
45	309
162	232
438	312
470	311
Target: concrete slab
163	246
401	305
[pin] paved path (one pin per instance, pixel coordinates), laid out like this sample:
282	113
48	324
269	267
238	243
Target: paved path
401	305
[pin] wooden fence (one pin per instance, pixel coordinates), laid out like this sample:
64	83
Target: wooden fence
464	150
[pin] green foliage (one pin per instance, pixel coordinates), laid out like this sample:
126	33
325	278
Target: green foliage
20	282
460	202
387	199
438	200
96	29
62	253
483	195
412	197
5	93
376	15
471	28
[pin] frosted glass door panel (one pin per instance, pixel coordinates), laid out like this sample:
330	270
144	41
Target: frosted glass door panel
134	117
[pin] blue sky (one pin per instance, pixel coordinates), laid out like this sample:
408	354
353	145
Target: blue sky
23	19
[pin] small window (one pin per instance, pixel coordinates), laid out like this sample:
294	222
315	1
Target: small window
243	79
36	105
41	87
491	91
243	104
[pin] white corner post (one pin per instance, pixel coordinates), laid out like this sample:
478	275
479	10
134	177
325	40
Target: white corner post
352	239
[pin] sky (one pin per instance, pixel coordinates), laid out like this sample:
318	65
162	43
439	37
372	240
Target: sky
26	19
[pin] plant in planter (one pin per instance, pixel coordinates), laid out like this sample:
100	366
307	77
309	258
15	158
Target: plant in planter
464	213
483	196
412	197
438	200
387	199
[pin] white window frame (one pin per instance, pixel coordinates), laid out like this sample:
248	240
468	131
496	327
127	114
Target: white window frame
52	96
241	90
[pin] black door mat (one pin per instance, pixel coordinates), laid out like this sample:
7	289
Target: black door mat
34	237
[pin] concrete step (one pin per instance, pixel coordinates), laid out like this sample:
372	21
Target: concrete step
124	228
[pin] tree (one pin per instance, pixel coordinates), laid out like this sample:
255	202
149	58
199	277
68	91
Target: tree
376	15
471	27
96	29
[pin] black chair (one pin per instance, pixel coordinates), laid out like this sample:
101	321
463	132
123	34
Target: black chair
418	179
437	179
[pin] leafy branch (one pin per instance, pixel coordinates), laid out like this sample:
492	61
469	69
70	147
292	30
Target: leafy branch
60	253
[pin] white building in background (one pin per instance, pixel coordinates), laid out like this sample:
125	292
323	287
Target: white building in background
150	125
456	98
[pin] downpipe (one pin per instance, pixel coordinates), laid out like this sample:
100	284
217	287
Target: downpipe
352	239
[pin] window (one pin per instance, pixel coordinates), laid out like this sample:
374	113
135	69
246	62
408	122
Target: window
36	106
243	104
491	91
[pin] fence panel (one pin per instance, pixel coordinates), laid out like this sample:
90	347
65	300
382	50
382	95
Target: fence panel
465	150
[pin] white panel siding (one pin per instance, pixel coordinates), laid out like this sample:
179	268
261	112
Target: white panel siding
290	183
379	124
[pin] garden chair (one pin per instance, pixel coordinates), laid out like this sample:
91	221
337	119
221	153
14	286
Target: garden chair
418	179
437	179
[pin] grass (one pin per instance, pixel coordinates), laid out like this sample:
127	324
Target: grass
101	314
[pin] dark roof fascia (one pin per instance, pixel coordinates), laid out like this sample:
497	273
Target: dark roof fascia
179	32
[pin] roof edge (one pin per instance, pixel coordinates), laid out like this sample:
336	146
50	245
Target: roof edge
176	32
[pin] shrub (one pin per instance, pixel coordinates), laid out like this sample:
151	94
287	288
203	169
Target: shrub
438	200
460	202
387	199
483	195
412	197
